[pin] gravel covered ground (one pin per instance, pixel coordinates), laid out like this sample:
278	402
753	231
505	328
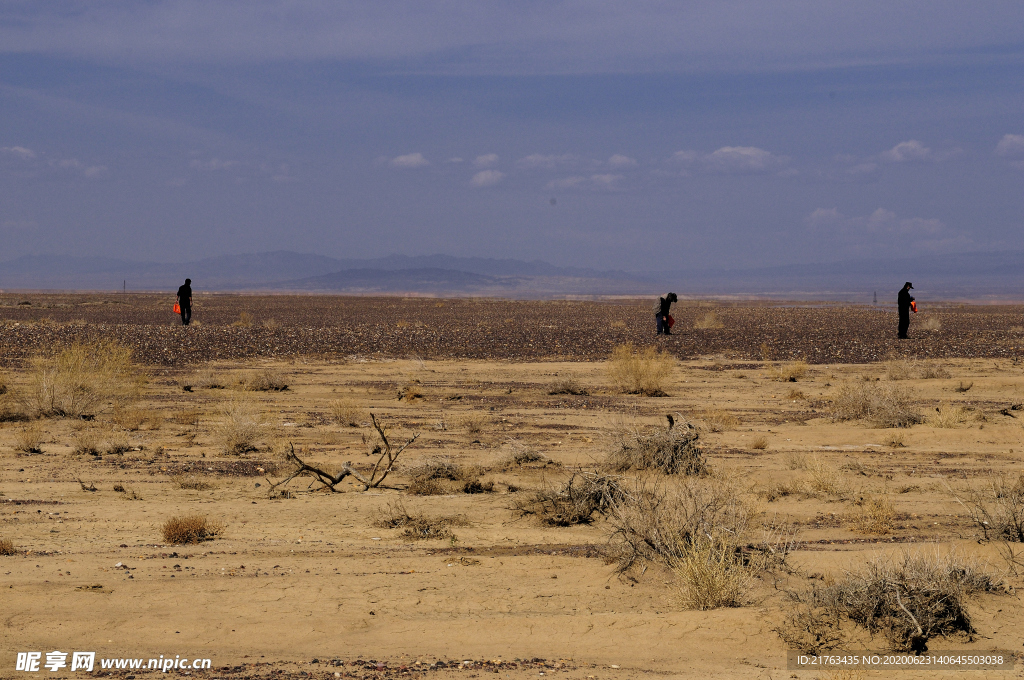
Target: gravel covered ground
251	326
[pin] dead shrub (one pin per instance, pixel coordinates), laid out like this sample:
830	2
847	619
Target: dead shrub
788	372
997	508
267	380
884	404
775	490
427	487
244	320
710	575
933	371
81	378
192	483
953	415
900	368
759	443
659	524
133	419
30	439
129	493
521	455
473	423
635	371
568	385
240	425
671	450
187	417
435	477
416	527
188	529
118	444
7	547
346	413
209	379
719	420
476	486
86	444
910	599
874	515
824	478
896	440
574	502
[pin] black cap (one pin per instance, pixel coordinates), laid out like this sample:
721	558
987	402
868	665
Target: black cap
908	284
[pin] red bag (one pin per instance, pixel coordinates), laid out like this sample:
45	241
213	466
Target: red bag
671	322
177	308
913	306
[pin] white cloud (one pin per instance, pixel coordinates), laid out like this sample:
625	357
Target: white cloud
566	183
743	160
605	181
620	161
19	151
486	160
911	150
881	222
538	160
409	160
213	164
486	178
1010	145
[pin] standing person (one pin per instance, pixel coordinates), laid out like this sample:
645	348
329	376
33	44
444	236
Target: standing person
664	307
903	301
185	301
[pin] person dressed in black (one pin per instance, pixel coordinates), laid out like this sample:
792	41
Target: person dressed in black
661	315
903	301
185	301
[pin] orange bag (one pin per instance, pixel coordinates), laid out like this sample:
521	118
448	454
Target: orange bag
177	308
913	306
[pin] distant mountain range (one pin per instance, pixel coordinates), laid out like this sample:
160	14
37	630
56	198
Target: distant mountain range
996	275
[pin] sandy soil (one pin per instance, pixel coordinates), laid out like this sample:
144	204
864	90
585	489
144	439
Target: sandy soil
307	583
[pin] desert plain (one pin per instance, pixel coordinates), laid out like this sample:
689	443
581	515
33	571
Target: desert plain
461	562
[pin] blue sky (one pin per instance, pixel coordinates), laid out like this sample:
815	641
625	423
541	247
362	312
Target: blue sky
635	135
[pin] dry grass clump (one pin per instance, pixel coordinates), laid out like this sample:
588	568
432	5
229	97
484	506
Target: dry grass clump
896	440
346	413
186	417
80	379
11	407
520	455
788	372
30	439
117	444
719	420
636	371
192	483
759	443
884	404
7	547
997	508
187	529
240	425
416	527
568	385
574	502
134	419
244	320
775	490
266	380
953	415
875	515
824	478
208	379
672	450
904	368
473	423
709	321
87	443
932	371
436	477
710	576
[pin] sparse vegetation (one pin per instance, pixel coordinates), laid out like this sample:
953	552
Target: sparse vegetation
86	443
191	483
896	440
884	404
670	450
416	527
568	385
240	425
7	547
574	502
909	600
266	380
80	379
874	515
519	455
719	420
133	419
189	529
788	372
759	443
30	439
645	372
997	508
953	415
346	413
